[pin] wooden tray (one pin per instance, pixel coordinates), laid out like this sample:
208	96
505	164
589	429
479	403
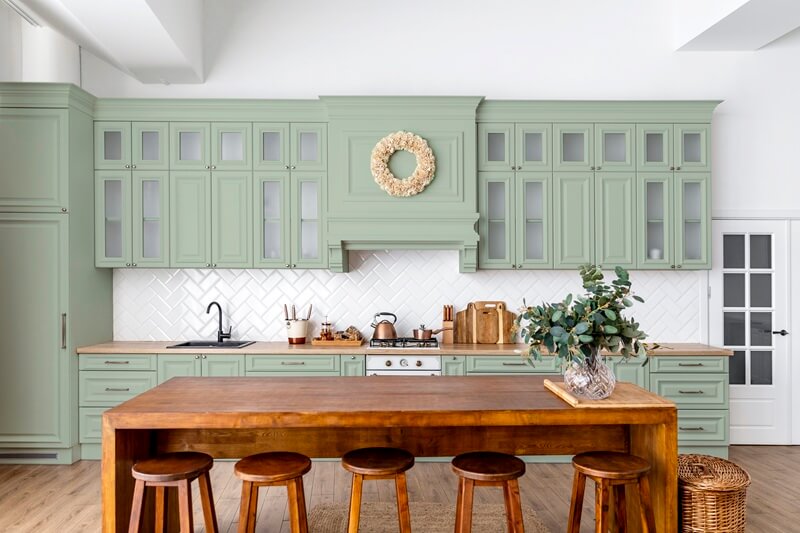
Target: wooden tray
338	342
625	395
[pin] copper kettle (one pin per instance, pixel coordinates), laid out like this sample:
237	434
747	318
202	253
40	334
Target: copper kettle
383	328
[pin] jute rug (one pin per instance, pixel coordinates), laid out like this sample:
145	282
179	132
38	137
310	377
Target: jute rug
425	518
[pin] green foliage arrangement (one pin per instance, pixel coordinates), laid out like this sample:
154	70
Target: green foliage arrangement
576	329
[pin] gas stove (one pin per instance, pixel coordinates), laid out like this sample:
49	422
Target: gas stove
404	342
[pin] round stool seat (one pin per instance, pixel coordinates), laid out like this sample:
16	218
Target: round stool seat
271	467
377	461
610	465
488	466
173	466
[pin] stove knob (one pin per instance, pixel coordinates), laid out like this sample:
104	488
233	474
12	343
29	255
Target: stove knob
388	363
419	363
403	362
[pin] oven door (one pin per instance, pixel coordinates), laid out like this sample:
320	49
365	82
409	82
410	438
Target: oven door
404	372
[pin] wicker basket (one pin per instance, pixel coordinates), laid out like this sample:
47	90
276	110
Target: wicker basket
713	495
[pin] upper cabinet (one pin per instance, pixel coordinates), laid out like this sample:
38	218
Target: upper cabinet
673	147
284	146
508	146
594	147
131	146
210	146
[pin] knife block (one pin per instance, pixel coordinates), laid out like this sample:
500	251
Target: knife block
447	335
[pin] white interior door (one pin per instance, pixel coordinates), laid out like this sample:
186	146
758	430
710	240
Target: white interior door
749	312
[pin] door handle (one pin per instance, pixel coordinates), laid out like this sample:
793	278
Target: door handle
782	333
63	331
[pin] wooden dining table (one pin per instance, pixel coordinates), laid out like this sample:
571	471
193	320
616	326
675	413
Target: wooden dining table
431	416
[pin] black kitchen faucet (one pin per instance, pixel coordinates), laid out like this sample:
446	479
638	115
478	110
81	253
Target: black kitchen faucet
221	335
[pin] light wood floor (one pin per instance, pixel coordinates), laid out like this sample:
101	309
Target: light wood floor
66	499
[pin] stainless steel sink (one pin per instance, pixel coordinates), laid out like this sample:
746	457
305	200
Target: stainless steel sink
212	344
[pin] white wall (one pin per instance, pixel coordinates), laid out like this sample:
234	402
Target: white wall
10	45
522	49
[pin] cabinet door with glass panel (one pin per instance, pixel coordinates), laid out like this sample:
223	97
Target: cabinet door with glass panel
506	146
534	245
307	226
284	146
231	143
496	225
692	216
211	146
614	148
573	147
131	219
673	147
131	146
271	196
656	226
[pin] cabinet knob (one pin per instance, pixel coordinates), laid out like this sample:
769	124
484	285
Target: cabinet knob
598	168
677	168
672	168
127	166
208	167
294	266
514	267
293	167
197	357
287	167
680	266
213	167
204	357
127	264
288	265
133	264
208	264
133	166
215	265
63	209
519	266
672	266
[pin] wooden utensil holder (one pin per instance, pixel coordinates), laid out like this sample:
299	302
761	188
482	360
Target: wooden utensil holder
447	334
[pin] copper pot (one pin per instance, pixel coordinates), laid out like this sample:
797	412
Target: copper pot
384	329
424	334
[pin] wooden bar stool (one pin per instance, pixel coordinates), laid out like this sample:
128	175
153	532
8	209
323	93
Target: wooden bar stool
610	470
268	470
378	463
488	469
176	469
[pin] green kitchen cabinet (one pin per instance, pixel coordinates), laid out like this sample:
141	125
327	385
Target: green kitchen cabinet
573	219
131	145
231	219
307	220
197	365
296	146
597	147
210	145
453	365
615	222
510	364
631	370
131	218
656	223
34	179
190	219
693	220
292	365
692	148
508	146
353	365
496	147
271	199
673	147
515	221
573	147
654	143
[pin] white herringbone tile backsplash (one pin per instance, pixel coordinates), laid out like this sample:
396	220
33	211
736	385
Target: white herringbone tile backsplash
163	304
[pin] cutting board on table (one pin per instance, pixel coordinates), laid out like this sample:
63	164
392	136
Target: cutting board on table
486	322
462	333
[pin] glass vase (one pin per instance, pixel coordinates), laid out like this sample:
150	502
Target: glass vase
591	378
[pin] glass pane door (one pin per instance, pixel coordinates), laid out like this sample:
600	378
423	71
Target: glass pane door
692	221
308	191
691	147
272	201
533	149
309	147
190	146
495	224
271	148
614	147
230	146
533	225
654	147
112	218
150	145
150	219
574	147
655	227
112	145
496	147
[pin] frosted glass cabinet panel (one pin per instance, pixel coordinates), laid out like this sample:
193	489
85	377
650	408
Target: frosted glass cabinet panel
150	141
495	248
655	239
533	147
271	146
190	145
271	196
231	143
654	147
534	241
150	231
112	145
573	147
614	147
112	218
309	146
691	147
692	221
307	221
496	147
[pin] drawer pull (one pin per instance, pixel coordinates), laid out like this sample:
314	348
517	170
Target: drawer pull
111	389
690	364
506	363
691	392
116	362
692	428
293	363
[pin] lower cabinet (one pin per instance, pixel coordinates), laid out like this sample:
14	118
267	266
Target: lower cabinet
177	365
353	365
293	365
509	364
453	365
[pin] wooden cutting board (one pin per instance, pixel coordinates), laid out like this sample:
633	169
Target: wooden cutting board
506	321
486	322
463	326
625	394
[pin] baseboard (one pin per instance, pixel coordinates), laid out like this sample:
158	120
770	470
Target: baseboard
40	456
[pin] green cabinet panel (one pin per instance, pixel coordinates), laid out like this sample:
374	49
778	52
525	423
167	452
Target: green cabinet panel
496	147
496	222
693	221
178	365
454	365
231	145
35	381
533	147
90	424
573	147
615	222
693	365
292	363
231	220
510	364
573	219
308	222
112	195
656	227
222	365
190	219
112	145
150	145
271	146
353	365
271	204
116	362
654	147
614	147
190	146
692	147
109	388
150	219
703	428
534	231
631	370
692	391
309	146
34	178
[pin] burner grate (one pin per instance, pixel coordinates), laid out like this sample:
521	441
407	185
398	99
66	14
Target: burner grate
404	342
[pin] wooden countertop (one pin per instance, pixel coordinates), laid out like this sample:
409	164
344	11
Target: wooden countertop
283	348
368	402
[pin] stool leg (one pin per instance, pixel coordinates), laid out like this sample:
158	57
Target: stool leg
185	506
403	513
466	488
619	508
297	506
355	504
244	507
161	509
137	507
207	499
601	506
576	505
251	516
513	506
648	519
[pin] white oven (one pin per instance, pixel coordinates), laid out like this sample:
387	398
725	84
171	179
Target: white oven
404	365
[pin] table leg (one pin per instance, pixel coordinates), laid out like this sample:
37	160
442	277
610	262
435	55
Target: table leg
658	443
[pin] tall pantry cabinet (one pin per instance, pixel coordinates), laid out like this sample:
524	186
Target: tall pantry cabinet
54	299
